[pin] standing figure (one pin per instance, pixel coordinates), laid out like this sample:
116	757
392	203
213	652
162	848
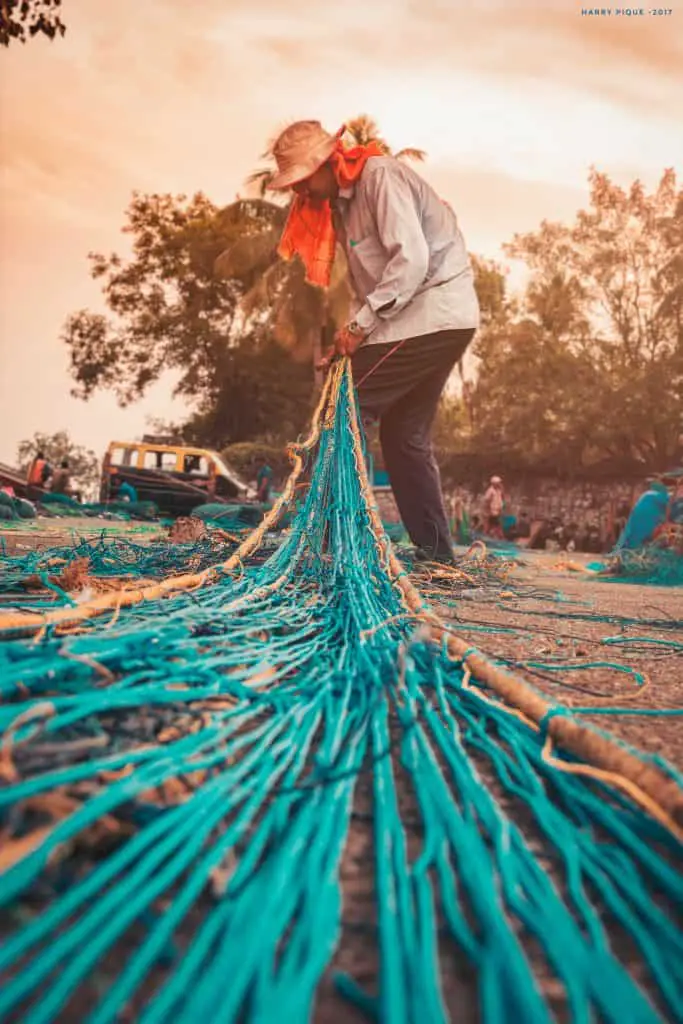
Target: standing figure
416	310
493	508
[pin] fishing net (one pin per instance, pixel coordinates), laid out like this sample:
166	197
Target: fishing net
192	765
13	509
63	506
231	516
658	563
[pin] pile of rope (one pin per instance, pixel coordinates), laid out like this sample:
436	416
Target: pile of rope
186	763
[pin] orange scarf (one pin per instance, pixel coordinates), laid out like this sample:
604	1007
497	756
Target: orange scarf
309	232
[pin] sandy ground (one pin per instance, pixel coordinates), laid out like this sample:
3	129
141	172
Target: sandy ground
570	621
539	614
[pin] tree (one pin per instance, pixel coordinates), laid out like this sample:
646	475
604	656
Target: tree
264	396
610	290
22	19
587	366
491	287
450	425
83	462
168	311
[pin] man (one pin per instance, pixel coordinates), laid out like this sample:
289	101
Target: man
523	526
61	481
416	309
647	514
264	483
39	471
126	492
493	507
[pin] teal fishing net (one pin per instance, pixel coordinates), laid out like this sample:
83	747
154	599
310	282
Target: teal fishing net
64	507
195	786
653	563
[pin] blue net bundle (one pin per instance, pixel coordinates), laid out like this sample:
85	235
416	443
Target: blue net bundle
659	562
187	779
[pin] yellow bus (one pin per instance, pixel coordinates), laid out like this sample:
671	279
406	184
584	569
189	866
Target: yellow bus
177	478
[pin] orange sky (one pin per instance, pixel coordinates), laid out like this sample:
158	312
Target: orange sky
512	101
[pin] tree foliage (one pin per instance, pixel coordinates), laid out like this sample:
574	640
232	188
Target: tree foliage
170	312
590	364
585	365
247	457
83	462
22	19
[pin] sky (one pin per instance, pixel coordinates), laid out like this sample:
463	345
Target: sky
513	103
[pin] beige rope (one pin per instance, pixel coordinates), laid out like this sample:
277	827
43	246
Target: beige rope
644	783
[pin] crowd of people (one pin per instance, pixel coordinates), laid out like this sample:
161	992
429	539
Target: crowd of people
594	523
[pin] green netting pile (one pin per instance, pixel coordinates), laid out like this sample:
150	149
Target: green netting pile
15	509
232	517
184	781
64	506
653	564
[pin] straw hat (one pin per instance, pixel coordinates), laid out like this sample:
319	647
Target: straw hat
299	151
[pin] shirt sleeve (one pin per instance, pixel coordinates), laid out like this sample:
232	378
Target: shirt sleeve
400	232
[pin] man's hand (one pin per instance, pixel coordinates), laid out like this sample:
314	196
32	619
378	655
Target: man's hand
347	342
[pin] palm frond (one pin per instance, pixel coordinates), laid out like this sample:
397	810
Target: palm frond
262	178
249	256
363	129
266	295
410	153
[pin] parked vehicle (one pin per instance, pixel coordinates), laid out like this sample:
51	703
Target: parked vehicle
176	478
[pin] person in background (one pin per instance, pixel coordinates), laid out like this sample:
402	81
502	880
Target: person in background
594	545
126	492
493	508
648	513
509	526
61	481
39	472
264	483
416	308
523	527
460	524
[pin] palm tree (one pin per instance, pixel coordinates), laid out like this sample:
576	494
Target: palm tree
301	317
277	297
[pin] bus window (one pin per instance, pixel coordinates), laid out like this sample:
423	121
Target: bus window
160	461
121	457
196	465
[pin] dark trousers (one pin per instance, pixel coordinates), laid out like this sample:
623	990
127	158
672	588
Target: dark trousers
403	390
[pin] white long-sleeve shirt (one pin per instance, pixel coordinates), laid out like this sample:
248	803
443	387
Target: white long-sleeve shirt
407	258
